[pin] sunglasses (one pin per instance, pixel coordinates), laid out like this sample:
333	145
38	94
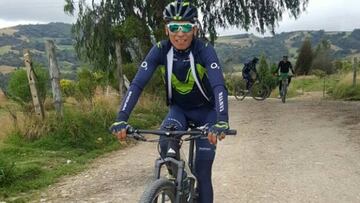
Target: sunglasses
183	27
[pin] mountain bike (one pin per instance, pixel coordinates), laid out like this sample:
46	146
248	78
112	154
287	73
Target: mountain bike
180	184
257	90
284	78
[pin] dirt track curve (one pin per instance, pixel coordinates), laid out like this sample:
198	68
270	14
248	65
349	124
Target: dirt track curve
307	150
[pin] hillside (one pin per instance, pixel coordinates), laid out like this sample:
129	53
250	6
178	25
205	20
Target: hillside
14	39
237	49
232	50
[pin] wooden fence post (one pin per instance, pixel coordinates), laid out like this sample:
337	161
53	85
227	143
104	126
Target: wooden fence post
354	71
119	67
54	76
39	110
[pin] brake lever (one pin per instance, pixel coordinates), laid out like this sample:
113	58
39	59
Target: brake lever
138	136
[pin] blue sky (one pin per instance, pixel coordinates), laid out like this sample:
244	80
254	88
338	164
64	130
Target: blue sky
329	15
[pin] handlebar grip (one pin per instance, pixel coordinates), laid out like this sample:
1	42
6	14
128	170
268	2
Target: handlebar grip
231	132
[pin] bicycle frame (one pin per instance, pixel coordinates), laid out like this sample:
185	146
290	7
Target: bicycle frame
284	77
180	164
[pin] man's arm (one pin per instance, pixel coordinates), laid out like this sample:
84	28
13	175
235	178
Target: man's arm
278	68
217	82
291	67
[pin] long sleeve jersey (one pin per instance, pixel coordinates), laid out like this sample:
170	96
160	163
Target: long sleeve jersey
184	90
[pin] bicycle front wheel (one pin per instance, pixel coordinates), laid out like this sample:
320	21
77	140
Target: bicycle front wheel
259	91
284	91
161	190
240	93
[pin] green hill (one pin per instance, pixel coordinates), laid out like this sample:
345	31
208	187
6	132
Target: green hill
14	40
236	49
232	50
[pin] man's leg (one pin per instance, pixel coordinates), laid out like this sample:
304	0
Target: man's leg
176	120
280	85
205	154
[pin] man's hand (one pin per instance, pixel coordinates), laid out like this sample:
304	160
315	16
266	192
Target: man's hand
217	130
119	129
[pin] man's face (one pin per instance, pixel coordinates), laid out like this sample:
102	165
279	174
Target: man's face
284	58
180	33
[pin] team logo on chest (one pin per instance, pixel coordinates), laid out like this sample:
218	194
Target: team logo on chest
144	65
214	66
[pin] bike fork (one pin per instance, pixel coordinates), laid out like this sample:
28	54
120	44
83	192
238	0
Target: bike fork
179	177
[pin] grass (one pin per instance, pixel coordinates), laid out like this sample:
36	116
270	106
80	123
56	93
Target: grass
6	69
338	86
5	49
345	89
65	47
39	153
311	83
7	31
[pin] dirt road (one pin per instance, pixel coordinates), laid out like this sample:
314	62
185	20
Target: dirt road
306	150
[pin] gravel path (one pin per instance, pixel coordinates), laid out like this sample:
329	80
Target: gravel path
307	150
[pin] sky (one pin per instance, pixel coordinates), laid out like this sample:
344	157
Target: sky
328	15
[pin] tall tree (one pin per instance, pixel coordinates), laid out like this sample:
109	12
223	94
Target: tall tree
97	23
322	58
243	14
304	60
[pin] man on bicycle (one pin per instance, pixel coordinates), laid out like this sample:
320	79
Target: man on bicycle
285	66
249	67
196	91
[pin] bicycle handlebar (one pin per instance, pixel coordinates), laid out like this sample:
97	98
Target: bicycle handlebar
137	133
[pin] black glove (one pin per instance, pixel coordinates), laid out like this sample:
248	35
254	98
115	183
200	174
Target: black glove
119	126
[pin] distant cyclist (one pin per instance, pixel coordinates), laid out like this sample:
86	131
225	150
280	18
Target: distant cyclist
284	67
249	67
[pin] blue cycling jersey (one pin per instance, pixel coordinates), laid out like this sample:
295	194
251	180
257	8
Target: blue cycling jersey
184	91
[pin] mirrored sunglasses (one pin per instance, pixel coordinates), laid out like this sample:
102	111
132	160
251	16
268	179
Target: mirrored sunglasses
183	27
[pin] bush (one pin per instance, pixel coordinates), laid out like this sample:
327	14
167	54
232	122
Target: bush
87	85
233	81
346	91
68	87
7	173
19	88
265	74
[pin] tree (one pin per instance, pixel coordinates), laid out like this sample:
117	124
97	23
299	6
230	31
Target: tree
322	60
101	27
246	14
98	25
304	60
265	71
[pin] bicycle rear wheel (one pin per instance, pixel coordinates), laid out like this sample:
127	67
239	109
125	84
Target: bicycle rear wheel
161	190
259	91
240	93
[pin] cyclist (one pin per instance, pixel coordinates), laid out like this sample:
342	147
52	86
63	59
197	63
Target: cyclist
249	67
195	87
285	66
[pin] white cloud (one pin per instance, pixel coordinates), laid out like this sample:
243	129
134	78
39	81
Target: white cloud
328	15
